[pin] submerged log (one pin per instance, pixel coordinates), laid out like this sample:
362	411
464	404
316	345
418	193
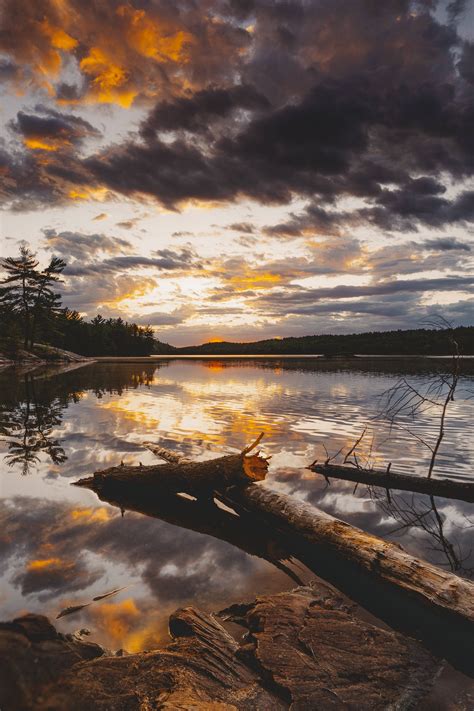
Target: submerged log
447	488
407	592
301	649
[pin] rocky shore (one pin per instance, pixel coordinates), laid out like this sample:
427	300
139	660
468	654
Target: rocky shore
301	649
42	355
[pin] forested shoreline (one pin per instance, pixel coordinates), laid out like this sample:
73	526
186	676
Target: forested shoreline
421	341
32	313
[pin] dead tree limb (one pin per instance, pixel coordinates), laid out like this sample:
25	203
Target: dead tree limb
447	488
406	592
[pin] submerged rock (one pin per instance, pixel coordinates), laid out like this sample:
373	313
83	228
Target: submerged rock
303	649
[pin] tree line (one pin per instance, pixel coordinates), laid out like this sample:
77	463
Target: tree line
419	341
31	312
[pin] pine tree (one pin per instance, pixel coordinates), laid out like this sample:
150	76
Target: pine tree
27	292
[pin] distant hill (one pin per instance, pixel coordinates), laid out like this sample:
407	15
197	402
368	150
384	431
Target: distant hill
161	348
410	342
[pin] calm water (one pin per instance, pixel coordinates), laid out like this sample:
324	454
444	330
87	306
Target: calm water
60	545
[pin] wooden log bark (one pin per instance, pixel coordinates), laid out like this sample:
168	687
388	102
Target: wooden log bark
407	592
183	475
303	649
447	488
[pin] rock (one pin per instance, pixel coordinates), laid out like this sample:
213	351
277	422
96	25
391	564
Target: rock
302	649
33	655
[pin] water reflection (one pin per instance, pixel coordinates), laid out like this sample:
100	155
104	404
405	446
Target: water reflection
59	545
29	414
244	530
412	513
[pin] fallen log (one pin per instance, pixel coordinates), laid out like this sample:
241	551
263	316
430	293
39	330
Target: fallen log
247	532
447	488
184	475
326	658
408	593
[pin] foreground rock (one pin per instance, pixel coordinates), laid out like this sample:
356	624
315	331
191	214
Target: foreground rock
302	649
42	354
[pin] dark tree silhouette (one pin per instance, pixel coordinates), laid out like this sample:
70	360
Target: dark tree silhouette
27	291
28	425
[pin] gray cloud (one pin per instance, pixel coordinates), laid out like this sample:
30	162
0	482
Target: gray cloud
296	300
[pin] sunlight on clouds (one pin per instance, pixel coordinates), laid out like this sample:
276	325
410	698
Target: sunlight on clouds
120	622
100	515
149	39
58	37
128	300
254	280
35	144
45	563
98	194
108	79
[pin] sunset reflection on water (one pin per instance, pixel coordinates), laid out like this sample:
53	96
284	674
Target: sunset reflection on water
60	546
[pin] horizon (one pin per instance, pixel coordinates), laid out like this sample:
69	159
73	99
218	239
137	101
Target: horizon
309	335
245	171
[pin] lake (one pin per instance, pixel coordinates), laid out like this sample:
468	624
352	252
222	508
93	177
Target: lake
61	546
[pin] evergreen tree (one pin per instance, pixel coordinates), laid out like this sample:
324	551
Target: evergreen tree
26	292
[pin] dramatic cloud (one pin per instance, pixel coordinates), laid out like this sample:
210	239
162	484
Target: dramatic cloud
195	113
121	52
342	129
374	104
50	130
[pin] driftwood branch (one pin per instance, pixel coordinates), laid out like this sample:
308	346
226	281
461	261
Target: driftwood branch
447	488
408	593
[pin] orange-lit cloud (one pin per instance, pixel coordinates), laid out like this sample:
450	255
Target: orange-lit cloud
120	58
36	144
108	80
99	515
85	193
58	37
41	564
151	39
254	280
120	623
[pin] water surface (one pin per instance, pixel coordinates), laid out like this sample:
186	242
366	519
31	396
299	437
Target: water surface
60	545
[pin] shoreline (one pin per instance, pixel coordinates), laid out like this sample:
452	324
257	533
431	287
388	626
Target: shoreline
273	356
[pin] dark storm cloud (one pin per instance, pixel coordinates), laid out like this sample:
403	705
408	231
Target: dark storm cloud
24	186
57	130
194	113
323	99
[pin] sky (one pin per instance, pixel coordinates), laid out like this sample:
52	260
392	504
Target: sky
244	169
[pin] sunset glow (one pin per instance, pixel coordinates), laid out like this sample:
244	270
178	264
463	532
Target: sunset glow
237	197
